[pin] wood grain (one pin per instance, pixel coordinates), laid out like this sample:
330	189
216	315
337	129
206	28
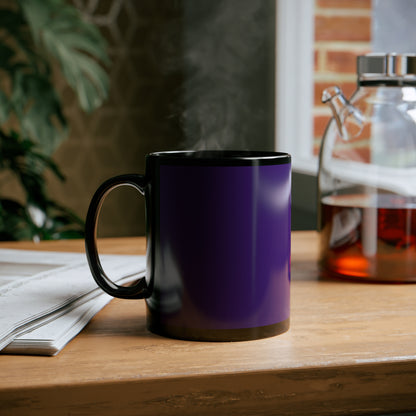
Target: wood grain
351	349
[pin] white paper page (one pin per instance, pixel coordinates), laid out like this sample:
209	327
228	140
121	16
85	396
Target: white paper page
60	279
51	334
50	338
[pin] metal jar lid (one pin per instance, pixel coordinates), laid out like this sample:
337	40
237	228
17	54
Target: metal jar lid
388	68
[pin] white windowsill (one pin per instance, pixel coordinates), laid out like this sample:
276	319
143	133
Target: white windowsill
305	166
294	83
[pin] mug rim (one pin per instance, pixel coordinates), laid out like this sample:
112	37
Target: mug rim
220	157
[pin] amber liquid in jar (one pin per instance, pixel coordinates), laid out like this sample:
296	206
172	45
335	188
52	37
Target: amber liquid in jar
368	237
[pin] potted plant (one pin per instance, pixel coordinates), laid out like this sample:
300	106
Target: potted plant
37	38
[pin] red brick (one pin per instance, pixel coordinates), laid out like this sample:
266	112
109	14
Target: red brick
316	59
319	125
341	61
344	4
366	132
344	28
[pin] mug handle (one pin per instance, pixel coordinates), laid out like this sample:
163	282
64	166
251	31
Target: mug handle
140	289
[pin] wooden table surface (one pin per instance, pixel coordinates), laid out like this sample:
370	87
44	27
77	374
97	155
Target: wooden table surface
351	349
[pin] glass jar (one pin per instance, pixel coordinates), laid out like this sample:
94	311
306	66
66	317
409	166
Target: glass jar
367	174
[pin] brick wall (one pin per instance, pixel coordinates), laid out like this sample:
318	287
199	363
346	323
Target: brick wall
342	32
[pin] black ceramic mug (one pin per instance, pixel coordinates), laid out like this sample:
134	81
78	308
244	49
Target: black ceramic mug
218	243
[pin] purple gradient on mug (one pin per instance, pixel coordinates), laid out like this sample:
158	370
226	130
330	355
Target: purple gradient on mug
224	241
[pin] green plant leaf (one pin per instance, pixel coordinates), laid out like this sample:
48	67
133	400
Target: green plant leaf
4	107
17	36
28	165
77	45
14	222
38	108
40	217
34	34
6	54
12	21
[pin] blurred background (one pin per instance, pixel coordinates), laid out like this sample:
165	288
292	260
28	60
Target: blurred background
183	74
203	74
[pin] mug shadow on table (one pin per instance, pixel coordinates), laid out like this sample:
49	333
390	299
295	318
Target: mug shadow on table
130	322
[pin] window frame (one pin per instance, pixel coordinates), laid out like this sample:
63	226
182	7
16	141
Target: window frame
294	83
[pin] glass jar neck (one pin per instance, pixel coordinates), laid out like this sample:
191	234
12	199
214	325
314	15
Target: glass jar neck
387	82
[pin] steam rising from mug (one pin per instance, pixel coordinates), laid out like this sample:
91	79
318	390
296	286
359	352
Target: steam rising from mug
227	92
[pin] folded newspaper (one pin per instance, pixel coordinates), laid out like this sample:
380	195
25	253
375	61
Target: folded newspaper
46	298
